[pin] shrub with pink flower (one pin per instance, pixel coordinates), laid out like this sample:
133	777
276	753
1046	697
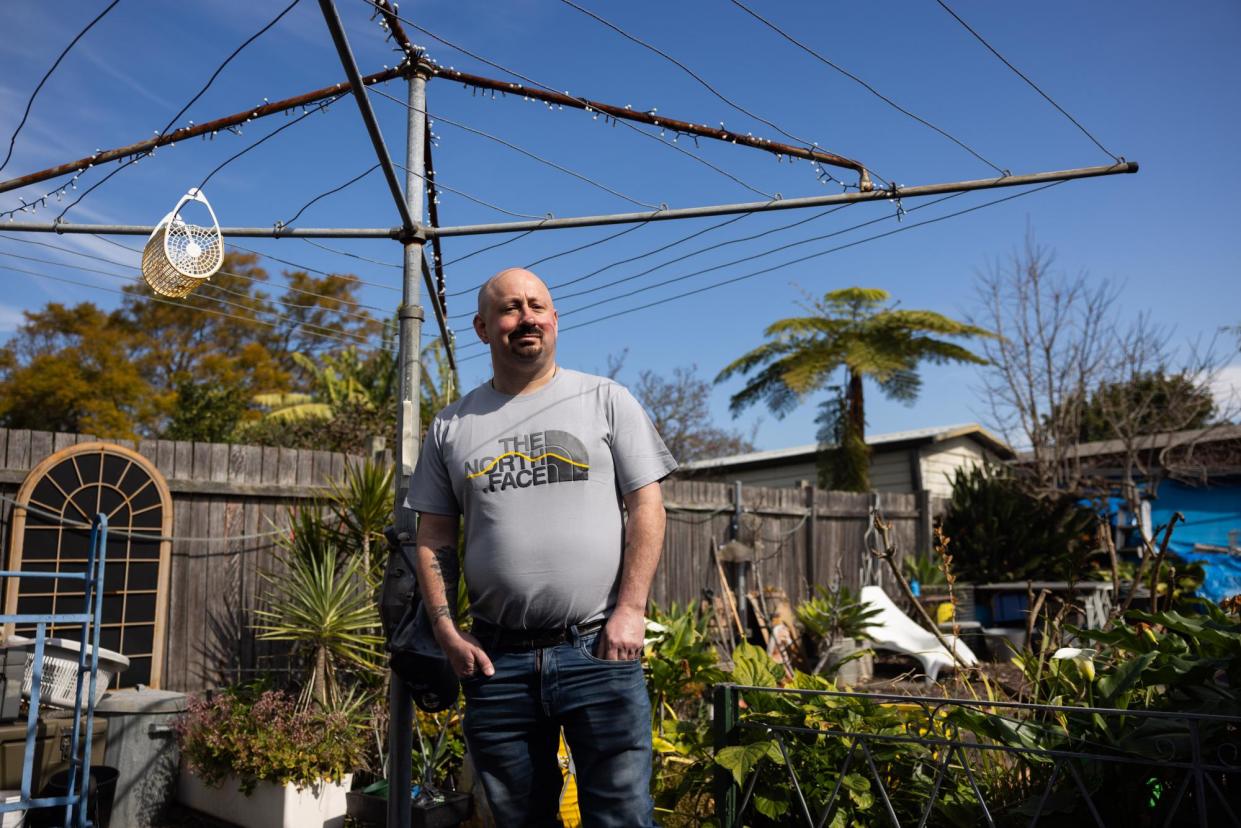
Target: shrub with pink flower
265	738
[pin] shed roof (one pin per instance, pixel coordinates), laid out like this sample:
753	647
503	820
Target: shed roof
891	441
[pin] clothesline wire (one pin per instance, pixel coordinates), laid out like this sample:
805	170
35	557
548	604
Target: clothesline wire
822	59
212	285
30	102
309	330
184	109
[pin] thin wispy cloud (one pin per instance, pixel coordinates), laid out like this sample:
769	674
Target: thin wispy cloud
10	318
108	65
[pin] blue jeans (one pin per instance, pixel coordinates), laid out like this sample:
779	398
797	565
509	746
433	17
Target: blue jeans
512	728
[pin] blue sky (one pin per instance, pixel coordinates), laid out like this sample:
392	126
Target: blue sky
1155	82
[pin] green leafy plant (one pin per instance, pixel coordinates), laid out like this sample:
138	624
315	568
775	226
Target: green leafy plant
924	569
819	761
682	665
263	736
1002	531
326	610
835	614
361	504
860	333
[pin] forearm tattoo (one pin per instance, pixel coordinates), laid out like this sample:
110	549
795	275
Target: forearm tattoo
445	565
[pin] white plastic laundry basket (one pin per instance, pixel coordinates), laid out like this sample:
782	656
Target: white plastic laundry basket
60	672
179	257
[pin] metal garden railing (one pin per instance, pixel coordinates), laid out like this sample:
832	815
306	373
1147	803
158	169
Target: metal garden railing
75	800
827	758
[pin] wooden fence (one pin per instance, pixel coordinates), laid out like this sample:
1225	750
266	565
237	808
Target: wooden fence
220	492
801	536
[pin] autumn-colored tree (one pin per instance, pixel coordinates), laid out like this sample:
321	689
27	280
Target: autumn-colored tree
71	369
188	368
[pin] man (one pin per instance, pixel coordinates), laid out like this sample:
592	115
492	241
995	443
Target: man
539	461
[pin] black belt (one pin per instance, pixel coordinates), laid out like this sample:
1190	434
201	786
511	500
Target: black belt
502	638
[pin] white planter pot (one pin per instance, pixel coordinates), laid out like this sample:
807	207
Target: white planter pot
270	806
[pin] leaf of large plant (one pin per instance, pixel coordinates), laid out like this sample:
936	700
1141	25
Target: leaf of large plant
662	745
741	759
1117	683
771	807
752	666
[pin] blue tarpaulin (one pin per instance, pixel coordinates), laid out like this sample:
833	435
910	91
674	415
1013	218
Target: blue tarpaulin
1211	512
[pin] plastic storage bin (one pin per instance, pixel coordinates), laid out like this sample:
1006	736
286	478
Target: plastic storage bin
60	671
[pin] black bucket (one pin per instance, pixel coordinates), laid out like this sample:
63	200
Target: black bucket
99	802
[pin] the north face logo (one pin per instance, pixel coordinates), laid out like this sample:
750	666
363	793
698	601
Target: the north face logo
534	459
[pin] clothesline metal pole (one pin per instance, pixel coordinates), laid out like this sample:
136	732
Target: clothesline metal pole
400	706
566	222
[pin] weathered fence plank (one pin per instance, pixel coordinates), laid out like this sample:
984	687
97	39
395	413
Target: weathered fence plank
224	494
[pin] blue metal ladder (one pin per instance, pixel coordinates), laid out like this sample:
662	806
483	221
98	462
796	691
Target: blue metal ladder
75	801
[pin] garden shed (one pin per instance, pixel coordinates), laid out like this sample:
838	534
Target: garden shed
901	461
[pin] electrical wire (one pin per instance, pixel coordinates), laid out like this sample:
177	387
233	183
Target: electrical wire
307	269
754	273
583	101
588	245
817	56
29	103
333	191
350	255
607	267
105	260
307	329
73	524
484	250
808	257
468	197
319	107
137	280
731	263
738	240
710	249
660	249
545	161
184	109
688	71
1118	159
673	145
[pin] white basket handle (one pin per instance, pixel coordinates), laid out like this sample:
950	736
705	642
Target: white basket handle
160	224
195	194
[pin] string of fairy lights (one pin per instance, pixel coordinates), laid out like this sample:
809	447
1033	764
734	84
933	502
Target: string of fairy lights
359	311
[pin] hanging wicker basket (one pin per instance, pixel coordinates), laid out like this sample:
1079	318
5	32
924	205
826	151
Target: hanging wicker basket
179	257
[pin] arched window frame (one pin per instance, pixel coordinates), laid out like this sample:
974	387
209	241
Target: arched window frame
163	576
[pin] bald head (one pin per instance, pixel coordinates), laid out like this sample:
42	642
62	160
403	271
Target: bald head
517	321
510	280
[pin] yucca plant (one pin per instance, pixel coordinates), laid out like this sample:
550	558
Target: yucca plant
324	608
361	505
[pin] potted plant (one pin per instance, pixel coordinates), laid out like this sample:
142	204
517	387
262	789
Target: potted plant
254	758
837	619
433	801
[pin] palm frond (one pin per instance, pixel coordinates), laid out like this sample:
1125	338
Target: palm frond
932	322
852	328
902	386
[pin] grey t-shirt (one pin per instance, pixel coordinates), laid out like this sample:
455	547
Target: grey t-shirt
539	478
